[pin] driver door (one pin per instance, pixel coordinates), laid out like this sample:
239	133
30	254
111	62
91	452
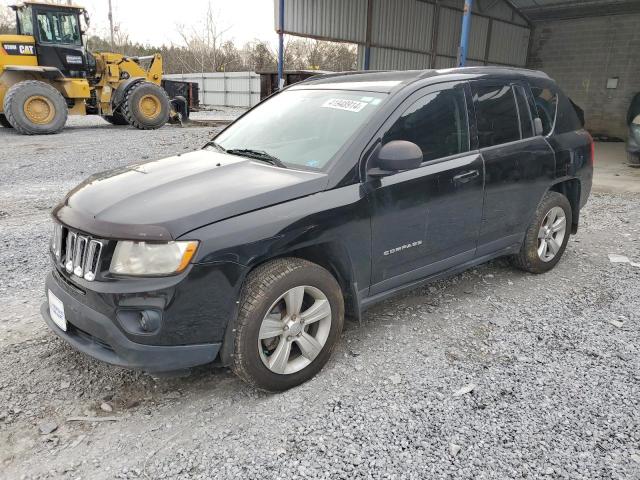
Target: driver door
59	41
427	220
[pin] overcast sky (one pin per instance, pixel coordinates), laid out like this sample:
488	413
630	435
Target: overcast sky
155	21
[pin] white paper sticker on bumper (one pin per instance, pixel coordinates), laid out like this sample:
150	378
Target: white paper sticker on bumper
56	310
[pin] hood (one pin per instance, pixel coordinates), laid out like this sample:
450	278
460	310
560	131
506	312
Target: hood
163	199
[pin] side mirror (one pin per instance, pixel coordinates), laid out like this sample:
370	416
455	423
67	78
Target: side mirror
395	156
537	126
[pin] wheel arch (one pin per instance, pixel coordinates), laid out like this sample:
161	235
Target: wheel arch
332	256
571	189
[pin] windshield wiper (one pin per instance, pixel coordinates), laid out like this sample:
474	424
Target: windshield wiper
258	155
216	145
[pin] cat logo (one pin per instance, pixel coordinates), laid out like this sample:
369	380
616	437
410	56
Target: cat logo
26	49
19	49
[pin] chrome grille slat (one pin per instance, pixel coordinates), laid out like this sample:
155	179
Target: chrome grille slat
81	255
71	245
78	256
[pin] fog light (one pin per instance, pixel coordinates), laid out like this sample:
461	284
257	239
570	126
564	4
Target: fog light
140	321
145	321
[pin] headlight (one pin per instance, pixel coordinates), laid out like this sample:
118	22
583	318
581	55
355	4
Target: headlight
143	258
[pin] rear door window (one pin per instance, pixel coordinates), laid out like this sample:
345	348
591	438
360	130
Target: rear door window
496	114
526	123
437	123
546	105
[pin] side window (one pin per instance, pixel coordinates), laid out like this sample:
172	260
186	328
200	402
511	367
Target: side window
496	115
546	105
58	28
437	123
25	21
567	118
70	33
44	28
526	123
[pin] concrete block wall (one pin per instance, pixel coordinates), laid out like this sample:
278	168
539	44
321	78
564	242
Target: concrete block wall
580	54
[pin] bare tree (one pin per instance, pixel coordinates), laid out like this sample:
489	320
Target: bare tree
7	20
203	44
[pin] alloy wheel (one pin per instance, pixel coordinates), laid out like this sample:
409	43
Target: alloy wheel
295	330
551	234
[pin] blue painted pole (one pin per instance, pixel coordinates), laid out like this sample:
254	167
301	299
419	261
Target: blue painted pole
367	57
281	46
464	35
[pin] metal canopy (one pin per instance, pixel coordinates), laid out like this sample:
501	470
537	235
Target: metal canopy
565	9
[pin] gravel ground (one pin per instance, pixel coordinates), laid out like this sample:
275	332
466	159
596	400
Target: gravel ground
490	374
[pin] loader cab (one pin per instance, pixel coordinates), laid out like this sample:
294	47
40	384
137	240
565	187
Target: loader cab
58	35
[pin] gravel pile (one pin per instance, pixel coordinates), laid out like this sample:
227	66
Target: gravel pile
490	374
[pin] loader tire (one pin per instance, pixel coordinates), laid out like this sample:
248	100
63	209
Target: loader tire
116	119
146	106
33	107
4	122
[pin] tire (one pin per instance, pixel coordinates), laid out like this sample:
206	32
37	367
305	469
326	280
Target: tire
146	106
33	107
262	293
116	119
633	159
4	122
530	259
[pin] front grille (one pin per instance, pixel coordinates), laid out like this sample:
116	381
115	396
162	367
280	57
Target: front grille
78	254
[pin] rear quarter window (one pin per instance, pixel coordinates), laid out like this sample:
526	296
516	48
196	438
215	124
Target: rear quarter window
567	119
557	112
546	102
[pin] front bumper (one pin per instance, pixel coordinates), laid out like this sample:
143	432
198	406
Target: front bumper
96	335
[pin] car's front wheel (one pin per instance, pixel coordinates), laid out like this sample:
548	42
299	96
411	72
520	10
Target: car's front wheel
290	318
547	236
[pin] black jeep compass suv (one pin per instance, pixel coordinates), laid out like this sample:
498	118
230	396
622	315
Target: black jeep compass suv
327	197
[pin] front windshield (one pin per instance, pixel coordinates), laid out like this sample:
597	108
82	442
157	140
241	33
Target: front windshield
302	128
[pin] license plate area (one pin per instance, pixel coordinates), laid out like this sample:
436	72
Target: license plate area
56	311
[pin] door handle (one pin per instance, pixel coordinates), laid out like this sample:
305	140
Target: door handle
466	176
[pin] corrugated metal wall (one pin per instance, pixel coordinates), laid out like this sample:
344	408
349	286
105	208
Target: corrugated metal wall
330	19
402	24
233	89
413	34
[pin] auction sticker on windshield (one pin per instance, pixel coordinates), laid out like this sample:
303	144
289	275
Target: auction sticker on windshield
56	310
342	104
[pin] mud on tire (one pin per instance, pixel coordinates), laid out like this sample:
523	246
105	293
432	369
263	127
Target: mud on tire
146	106
529	259
33	107
262	288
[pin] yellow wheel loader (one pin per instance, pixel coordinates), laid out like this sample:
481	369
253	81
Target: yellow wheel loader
47	73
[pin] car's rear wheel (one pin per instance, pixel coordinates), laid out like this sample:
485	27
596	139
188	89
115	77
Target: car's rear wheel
290	318
547	236
633	159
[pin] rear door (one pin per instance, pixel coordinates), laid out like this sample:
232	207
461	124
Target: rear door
427	219
519	166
